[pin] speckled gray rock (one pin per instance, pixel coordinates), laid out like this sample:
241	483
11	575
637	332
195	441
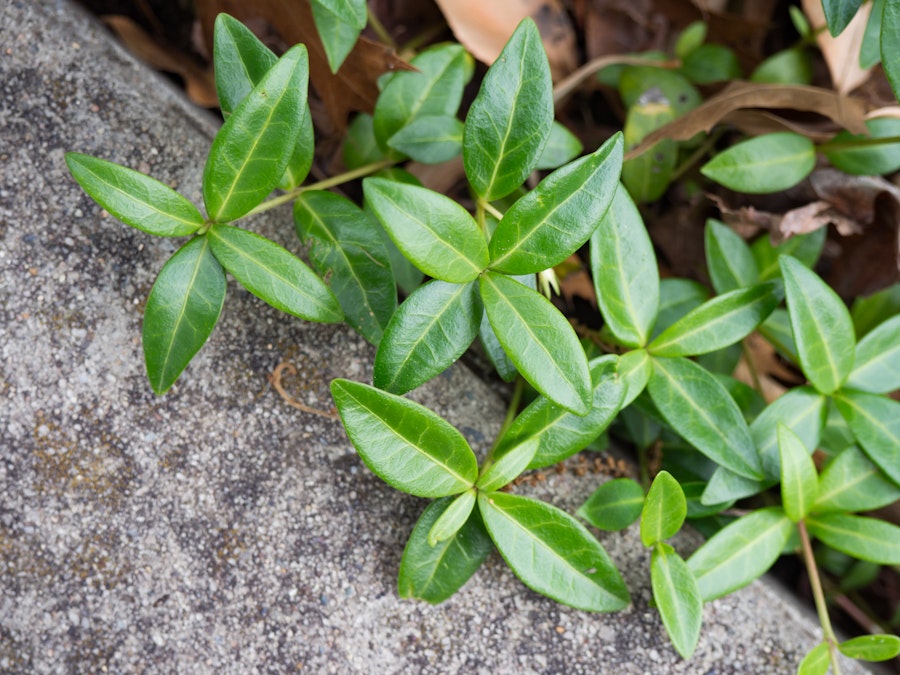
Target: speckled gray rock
216	529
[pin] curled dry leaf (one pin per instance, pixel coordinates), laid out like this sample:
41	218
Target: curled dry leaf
846	111
484	27
854	196
199	82
842	52
810	218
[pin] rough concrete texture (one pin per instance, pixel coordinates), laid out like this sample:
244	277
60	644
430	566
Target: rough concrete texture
218	529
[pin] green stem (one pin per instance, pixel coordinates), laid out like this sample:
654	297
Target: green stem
819	596
380	30
340	179
511	412
493	210
480	206
695	156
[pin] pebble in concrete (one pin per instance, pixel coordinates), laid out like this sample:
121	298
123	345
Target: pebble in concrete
217	529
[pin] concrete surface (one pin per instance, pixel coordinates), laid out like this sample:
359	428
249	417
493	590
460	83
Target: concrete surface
217	529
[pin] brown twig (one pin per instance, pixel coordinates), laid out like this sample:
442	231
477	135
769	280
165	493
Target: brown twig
275	381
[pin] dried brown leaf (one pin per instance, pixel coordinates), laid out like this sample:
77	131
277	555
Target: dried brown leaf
855	196
842	52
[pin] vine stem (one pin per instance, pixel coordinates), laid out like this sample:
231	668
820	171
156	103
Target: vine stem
819	596
340	179
511	411
380	30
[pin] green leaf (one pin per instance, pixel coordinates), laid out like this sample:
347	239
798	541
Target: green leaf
823	330
776	329
724	486
252	150
850	482
539	341
872	310
877	541
677	297
561	433
648	82
871	647
404	443
428	332
562	146
360	147
693	35
718	323
430	140
494	351
664	510
876	367
352	12
647	176
799	480
890	39
730	261
768	163
696	508
789	66
273	274
552	221
740	552
408	276
875	421
803	410
552	553
241	59
804	247
870	49
866	160
133	198
434	573
696	406
182	310
839	13
434	89
614	505
302	158
817	661
433	231
677	597
509	121
635	367
625	274
711	63
506	465
345	247
338	35
453	518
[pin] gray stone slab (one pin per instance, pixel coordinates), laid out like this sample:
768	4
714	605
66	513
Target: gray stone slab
216	529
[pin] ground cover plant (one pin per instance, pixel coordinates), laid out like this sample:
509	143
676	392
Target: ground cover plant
659	369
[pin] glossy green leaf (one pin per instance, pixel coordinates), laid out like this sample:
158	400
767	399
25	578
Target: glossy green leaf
641	428
725	485
876	366
729	259
875	421
433	231
430	140
696	508
799	480
539	341
635	367
700	409
625	274
182	310
494	351
789	66
740	552
870	49
647	176
768	163
273	274
434	573
241	59
803	410
346	248
614	505
135	199
873	310
404	443
836	436
506	465
823	330
816	662
360	147
711	63
866	160
677	297
552	553
302	158
851	482
428	332
509	121
453	518
693	35
877	541
839	13
718	323
352	12
561	433
552	221
677	597
408	276
871	647
434	89
338	35
252	149
804	247
664	510
776	329
890	39
562	146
